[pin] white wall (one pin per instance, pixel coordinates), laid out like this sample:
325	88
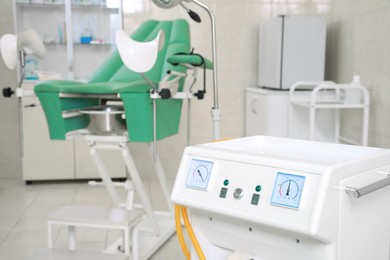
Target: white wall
10	165
360	40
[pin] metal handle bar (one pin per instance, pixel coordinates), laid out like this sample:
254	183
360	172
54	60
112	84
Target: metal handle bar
360	192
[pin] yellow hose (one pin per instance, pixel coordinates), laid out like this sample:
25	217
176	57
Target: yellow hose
191	233
180	235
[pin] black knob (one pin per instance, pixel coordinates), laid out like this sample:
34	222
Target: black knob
194	16
8	92
200	94
165	93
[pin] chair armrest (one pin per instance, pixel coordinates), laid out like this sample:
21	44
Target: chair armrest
191	59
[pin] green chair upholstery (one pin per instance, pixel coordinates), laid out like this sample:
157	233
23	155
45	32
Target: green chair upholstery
113	77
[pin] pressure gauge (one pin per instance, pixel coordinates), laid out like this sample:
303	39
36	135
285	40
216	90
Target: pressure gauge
199	174
288	190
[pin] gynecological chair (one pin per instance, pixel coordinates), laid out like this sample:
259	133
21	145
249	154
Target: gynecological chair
136	95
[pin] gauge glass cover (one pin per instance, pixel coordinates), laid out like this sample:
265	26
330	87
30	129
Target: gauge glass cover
288	190
199	174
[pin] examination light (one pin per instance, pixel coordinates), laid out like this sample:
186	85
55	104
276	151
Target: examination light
8	48
27	43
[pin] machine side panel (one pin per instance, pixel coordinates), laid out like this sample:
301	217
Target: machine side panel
258	242
364	222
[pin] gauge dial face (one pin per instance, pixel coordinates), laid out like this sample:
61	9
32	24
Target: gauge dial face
199	174
288	190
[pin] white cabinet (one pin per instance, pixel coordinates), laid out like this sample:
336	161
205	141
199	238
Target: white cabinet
269	112
45	159
291	49
78	35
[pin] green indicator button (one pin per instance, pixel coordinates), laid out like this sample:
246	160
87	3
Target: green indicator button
226	182
258	188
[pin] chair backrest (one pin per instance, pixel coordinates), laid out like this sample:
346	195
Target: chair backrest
177	39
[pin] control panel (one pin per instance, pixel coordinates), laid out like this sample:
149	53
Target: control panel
246	190
287	188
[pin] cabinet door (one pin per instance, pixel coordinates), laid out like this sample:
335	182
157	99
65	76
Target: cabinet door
78	35
43	159
48	19
93	32
256	114
267	113
270	53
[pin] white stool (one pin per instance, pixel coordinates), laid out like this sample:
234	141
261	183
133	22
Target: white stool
94	217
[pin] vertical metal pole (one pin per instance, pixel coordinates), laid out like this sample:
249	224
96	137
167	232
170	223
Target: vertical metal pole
188	121
69	37
121	19
337	125
215	112
126	241
22	56
312	122
154	130
135	240
365	126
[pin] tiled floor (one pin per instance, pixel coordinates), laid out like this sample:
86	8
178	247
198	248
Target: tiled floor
23	210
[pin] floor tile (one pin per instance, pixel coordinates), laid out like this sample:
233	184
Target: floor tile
23	211
26	236
18	252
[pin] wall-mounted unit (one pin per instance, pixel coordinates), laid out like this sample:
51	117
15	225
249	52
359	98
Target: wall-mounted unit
291	49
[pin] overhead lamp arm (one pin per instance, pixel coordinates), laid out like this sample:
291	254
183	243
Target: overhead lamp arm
194	16
214	48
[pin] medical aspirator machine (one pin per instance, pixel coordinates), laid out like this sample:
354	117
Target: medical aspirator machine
270	198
